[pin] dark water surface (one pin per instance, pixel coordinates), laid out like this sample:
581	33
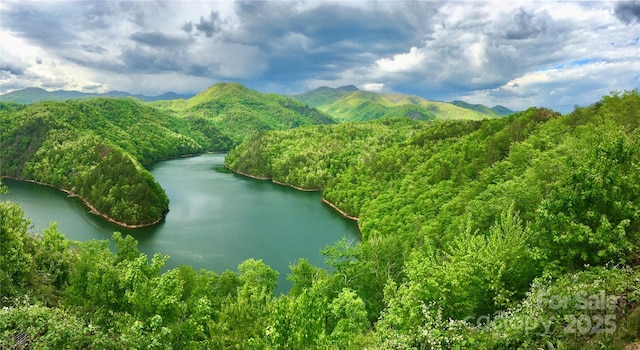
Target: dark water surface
217	219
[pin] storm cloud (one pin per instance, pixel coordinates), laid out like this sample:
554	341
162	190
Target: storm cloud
157	39
628	11
555	54
210	25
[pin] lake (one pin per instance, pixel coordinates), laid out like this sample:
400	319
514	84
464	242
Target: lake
217	219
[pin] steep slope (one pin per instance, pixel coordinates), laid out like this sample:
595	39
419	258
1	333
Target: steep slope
476	107
496	111
502	110
238	111
351	104
95	148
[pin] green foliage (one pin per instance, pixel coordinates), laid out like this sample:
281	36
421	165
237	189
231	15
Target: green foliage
309	157
236	112
299	321
576	310
350	104
39	327
136	303
303	276
432	202
54	261
94	149
591	216
15	260
475	274
496	111
349	315
518	232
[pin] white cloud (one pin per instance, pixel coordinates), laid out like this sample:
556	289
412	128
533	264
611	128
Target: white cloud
403	62
562	88
375	87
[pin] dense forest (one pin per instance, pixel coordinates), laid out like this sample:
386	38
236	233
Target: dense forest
238	111
97	148
348	103
517	232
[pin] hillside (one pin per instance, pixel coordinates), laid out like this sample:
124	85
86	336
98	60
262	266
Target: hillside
33	95
465	220
95	149
351	104
496	111
238	111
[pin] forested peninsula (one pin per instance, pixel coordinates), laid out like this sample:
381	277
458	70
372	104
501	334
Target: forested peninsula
514	232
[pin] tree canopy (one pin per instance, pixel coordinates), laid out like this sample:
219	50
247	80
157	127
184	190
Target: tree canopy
518	232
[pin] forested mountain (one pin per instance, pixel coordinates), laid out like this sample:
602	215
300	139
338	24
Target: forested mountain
348	103
495	111
33	95
514	232
238	111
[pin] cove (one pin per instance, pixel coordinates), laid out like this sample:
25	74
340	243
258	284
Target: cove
217	219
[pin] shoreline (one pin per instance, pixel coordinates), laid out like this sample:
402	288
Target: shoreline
187	155
324	200
274	181
296	188
92	209
247	175
342	212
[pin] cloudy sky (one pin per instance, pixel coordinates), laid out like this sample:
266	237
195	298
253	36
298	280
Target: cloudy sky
515	53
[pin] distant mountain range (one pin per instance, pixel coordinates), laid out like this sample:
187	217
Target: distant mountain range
497	110
348	103
32	95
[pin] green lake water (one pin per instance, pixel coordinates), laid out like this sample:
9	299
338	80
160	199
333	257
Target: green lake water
217	219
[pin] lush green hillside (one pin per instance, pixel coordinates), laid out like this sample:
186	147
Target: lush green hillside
351	104
95	149
518	232
33	95
238	111
459	218
502	110
496	111
309	157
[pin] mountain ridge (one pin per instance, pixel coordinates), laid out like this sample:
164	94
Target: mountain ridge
348	103
319	97
238	111
32	95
